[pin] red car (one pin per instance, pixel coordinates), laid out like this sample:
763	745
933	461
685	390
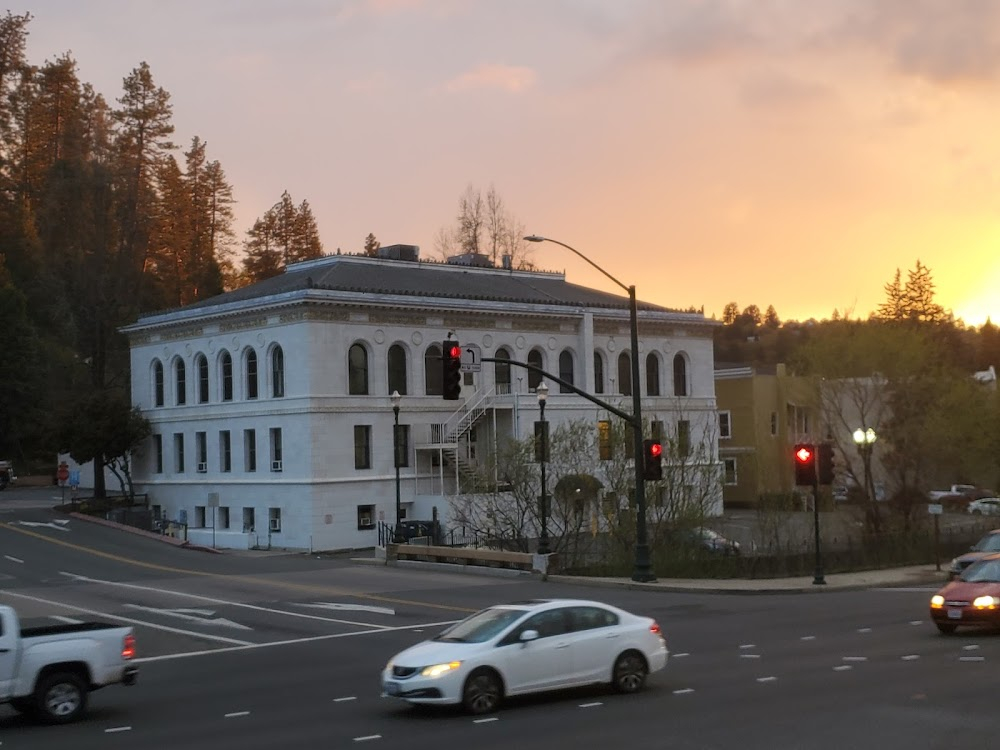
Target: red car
971	600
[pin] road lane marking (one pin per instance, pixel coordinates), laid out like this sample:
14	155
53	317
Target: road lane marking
14	559
117	729
916	622
854	658
749	656
767	679
678	656
842	668
215	600
186	614
348	607
368	737
683	691
970	647
591	705
808	638
748	645
285	585
67	620
972	658
40	523
910	657
166	628
864	630
485	721
344	700
290	642
236	714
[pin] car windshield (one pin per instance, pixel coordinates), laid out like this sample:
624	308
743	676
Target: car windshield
984	571
481	626
989	543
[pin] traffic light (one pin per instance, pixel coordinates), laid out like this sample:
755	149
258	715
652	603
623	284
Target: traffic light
451	372
805	464
824	459
652	452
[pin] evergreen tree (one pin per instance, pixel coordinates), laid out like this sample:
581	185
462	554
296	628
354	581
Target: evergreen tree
919	297
730	313
371	246
771	319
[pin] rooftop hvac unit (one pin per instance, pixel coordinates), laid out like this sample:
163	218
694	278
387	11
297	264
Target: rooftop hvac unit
400	252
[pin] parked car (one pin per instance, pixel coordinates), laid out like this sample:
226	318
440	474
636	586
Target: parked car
48	671
527	647
989	544
986	506
973	600
706	539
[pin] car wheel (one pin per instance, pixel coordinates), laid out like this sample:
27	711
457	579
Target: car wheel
61	698
483	692
629	673
946	628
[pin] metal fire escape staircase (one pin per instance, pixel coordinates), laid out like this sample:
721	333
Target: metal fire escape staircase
456	428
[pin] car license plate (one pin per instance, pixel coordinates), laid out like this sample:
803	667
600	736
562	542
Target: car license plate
954	614
391	688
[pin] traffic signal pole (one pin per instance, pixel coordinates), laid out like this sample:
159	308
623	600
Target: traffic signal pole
818	579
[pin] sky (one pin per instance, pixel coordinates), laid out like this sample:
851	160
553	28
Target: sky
766	152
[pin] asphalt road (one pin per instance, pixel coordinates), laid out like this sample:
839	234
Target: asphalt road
265	650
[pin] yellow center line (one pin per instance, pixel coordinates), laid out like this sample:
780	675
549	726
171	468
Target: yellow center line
303	587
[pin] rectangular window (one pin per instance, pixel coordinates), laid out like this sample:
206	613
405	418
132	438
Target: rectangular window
225	451
223	518
251	376
683	438
729	465
276	463
249	521
158	385
725	425
274	520
656	431
366	517
179	452
199	516
362	446
201	451
250	450
158	454
604	440
227	378
402	445
202	381
181	384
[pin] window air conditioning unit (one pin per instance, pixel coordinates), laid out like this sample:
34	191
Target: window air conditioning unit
275	524
202	467
276	466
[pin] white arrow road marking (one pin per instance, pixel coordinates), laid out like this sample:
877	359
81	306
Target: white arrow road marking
213	600
63	521
206	618
348	607
39	523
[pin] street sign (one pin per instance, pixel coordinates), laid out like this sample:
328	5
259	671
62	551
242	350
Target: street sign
62	474
472	358
935	509
74	478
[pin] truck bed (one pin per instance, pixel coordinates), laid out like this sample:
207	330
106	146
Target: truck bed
65	628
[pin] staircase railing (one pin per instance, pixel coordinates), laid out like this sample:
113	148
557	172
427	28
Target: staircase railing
461	421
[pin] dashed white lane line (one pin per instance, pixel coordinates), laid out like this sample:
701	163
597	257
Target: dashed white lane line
13	559
972	658
864	630
678	656
910	657
591	705
916	622
747	645
237	714
485	721
854	658
842	668
368	737
683	691
112	730
767	679
970	647
749	656
808	638
345	699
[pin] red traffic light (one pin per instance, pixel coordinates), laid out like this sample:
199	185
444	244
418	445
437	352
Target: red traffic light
803	455
655	450
455	352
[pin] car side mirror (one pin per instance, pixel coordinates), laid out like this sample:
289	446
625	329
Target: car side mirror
529	635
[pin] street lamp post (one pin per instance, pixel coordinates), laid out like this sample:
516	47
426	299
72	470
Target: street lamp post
542	436
643	570
865	440
396	398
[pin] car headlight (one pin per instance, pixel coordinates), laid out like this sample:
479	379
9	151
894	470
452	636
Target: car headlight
436	670
937	601
985	602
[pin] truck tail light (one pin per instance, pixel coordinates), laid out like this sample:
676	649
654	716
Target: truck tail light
655	628
128	647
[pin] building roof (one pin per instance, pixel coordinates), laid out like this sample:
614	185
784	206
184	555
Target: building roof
380	277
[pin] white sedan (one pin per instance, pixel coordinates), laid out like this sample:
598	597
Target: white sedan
528	647
985	506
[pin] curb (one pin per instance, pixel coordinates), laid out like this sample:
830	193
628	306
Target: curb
142	532
471	570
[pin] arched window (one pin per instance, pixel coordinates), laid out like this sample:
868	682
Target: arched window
652	375
201	365
598	373
624	374
227	377
180	380
501	371
566	370
534	378
277	372
357	370
433	385
251	374
158	383
397	369
680	375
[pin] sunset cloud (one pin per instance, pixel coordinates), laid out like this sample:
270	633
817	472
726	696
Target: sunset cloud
508	78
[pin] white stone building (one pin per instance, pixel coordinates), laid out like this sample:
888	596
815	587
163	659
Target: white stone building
271	410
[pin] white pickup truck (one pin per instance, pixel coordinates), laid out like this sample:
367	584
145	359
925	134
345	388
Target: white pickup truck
48	671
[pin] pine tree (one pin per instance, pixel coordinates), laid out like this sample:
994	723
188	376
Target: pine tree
371	246
919	296
894	307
